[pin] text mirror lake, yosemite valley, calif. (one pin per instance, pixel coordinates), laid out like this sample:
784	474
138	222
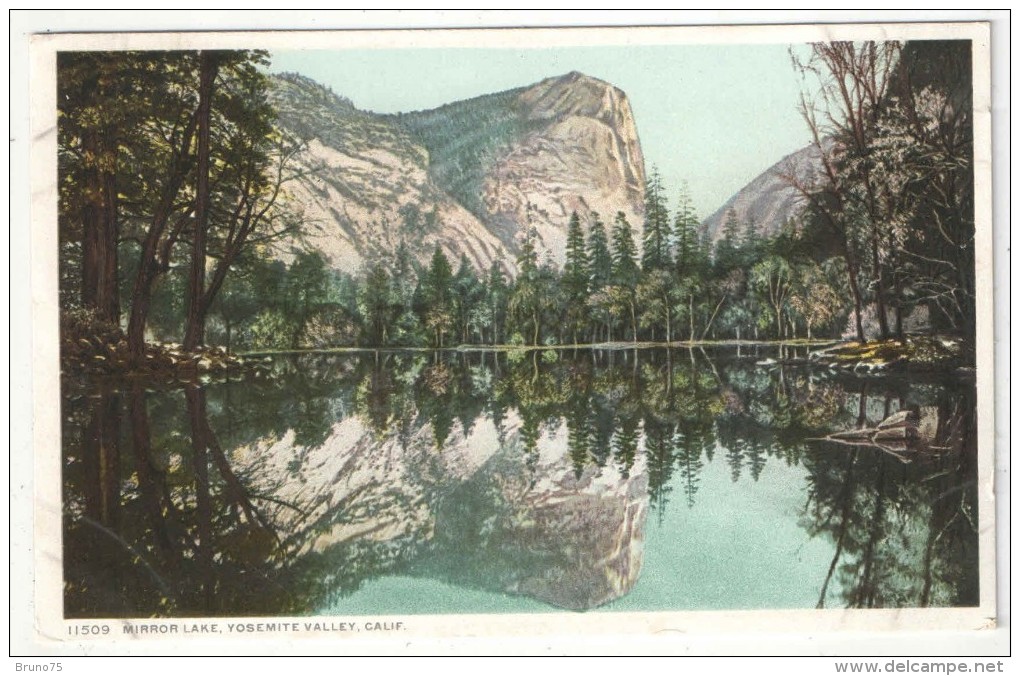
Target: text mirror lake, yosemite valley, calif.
464	332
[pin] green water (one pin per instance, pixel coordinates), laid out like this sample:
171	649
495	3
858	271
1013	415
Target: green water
587	481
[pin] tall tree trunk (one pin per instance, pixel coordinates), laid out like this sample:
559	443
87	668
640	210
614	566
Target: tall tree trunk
711	319
855	291
669	333
898	288
880	307
690	315
99	290
633	319
195	332
110	291
141	299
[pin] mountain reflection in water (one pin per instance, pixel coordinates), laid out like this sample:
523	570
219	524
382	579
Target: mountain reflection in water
515	475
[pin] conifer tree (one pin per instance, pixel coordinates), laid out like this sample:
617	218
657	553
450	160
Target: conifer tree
402	295
436	291
527	259
467	293
496	299
655	244
727	248
685	234
599	257
526	300
376	305
403	277
575	270
626	273
574	282
749	240
625	267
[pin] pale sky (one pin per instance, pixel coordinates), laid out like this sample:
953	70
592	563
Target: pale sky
712	115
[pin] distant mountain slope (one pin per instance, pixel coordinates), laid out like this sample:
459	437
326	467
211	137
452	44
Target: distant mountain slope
469	176
365	185
770	199
536	154
464	139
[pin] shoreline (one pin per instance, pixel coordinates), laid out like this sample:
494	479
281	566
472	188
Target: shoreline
915	354
615	345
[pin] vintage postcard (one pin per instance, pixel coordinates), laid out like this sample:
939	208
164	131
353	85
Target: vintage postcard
480	333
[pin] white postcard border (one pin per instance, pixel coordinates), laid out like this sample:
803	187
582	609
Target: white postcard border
52	630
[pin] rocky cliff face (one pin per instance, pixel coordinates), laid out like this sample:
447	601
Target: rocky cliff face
363	185
536	154
469	176
771	198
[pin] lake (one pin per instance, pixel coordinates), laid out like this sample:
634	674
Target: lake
525	481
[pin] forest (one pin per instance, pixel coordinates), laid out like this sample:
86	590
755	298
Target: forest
173	199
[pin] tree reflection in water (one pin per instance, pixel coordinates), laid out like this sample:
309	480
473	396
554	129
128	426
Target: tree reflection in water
525	473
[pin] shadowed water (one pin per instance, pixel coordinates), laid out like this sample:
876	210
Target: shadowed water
526	481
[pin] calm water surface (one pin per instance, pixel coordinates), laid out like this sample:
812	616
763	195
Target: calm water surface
470	482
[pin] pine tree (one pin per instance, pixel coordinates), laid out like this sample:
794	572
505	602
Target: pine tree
527	301
576	268
748	246
599	257
402	292
728	247
685	234
626	273
375	304
625	268
438	279
574	282
403	277
306	289
527	259
436	291
655	244
467	293
496	298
